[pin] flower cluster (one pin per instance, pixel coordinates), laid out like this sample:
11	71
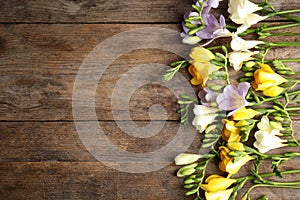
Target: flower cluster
260	106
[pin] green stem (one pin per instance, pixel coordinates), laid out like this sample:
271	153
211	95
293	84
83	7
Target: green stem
274	98
284	34
294	171
280	27
284	60
283	12
291	17
293	108
282	44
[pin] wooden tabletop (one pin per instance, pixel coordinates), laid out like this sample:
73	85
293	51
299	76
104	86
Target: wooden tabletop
43	152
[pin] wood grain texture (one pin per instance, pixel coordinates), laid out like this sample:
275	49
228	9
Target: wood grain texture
60	141
42	46
92	11
39	64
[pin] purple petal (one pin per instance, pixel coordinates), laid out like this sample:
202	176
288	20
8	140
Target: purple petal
243	88
222	22
185	29
213	3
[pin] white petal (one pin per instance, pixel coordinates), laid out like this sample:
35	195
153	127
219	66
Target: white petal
191	40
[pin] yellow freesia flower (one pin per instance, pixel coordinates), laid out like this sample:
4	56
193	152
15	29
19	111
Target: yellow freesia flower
219	195
227	163
231	133
244	113
201	68
267	81
216	183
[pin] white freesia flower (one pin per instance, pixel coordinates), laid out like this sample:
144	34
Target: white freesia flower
267	136
204	116
266	142
186	158
236	58
239	44
242	12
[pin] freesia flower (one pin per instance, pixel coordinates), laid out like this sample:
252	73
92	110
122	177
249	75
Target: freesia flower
244	113
216	187
242	12
266	142
208	97
212	28
267	81
236	58
201	68
239	44
233	98
267	136
231	133
216	183
186	158
204	116
228	164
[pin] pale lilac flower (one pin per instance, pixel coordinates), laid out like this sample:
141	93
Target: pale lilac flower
208	97
233	98
213	28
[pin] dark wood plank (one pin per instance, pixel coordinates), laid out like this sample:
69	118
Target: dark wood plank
60	141
84	181
91	11
39	64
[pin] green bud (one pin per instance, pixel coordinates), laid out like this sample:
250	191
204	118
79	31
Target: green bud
249	74
246	79
189	186
276	125
250	64
191	192
215	87
279	119
277	108
186	170
224	49
190	26
220	57
188	181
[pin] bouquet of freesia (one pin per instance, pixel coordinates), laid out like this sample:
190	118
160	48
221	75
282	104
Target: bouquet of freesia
261	105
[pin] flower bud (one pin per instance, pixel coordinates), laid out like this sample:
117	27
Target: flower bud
186	158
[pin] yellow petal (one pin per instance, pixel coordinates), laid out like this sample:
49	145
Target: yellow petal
238	146
200	54
244	113
216	183
234	167
197	79
219	195
273	91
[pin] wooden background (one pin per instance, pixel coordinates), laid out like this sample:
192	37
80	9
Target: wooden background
42	45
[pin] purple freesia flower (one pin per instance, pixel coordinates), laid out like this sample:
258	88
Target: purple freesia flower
233	98
208	97
212	27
